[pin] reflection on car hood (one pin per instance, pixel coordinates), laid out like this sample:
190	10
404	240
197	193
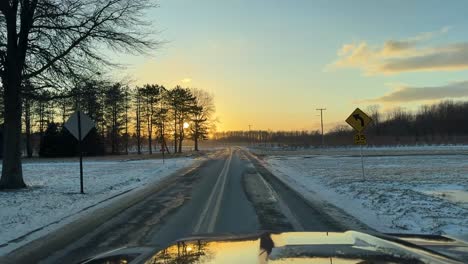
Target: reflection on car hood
299	247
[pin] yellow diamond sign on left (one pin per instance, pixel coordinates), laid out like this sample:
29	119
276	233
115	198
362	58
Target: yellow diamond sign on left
358	120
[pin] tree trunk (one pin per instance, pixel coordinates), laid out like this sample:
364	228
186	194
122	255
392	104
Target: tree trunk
42	120
12	174
64	111
27	123
175	132
112	134
149	143
195	137
181	135
138	125
164	139
126	122
180	145
150	140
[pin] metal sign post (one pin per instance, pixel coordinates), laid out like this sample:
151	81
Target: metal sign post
362	164
81	152
359	121
360	139
79	126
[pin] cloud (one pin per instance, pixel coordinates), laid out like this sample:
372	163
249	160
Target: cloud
408	94
453	57
403	47
396	56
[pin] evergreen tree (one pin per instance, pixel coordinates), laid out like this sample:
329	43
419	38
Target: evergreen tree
114	113
182	104
151	96
202	116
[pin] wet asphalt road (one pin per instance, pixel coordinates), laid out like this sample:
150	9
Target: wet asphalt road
208	200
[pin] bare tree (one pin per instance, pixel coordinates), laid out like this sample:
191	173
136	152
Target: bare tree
49	42
27	106
374	111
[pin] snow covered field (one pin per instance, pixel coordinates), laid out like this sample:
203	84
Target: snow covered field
54	192
370	150
417	193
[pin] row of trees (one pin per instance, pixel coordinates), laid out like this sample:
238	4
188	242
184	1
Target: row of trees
445	119
178	112
268	137
47	47
442	123
126	118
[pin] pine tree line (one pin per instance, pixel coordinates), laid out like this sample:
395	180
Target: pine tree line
141	119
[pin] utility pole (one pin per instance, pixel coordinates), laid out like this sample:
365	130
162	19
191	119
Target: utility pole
321	123
250	136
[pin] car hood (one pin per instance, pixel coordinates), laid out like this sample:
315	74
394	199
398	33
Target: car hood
298	247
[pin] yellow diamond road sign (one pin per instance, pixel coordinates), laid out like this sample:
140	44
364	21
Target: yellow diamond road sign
358	120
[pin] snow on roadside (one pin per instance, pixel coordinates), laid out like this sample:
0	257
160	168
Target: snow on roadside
402	194
53	192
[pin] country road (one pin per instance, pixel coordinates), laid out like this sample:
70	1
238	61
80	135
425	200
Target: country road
229	193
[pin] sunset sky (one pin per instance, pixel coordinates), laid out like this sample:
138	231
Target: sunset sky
272	63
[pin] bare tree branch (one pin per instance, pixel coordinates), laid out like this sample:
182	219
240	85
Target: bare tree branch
50	44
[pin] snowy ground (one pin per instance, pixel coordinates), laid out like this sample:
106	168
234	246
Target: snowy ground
417	193
54	195
370	150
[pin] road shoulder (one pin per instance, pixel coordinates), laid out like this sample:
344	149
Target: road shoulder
88	221
337	218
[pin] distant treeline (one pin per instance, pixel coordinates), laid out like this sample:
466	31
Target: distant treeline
442	123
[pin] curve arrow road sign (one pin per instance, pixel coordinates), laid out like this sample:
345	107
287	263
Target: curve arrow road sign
358	117
358	120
